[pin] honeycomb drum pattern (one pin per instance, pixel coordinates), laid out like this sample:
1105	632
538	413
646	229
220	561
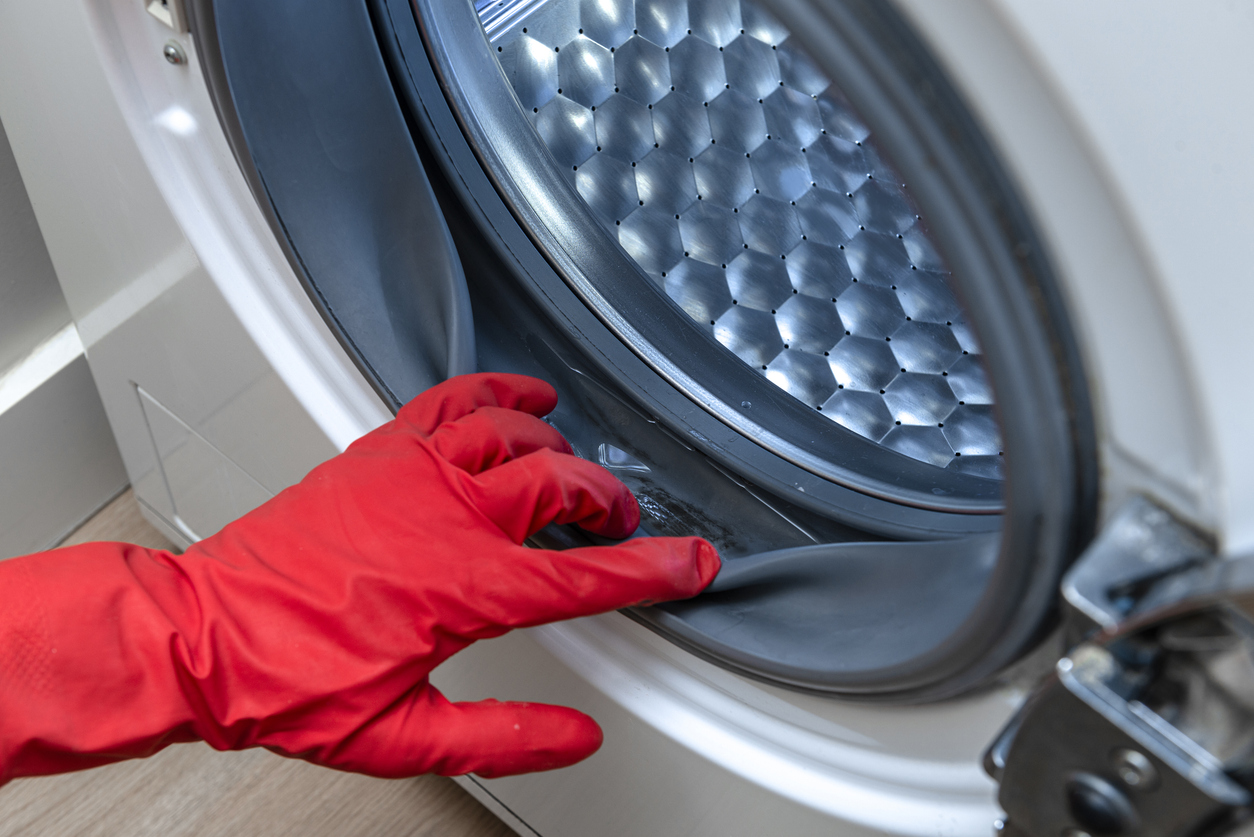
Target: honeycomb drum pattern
741	181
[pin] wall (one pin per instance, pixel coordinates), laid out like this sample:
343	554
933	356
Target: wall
58	461
31	306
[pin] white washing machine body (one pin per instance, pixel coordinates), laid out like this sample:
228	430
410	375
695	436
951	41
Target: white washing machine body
224	384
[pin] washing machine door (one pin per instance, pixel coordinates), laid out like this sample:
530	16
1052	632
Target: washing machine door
780	281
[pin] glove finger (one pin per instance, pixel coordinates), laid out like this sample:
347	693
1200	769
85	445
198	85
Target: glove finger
426	733
526	494
464	394
491	436
549	586
491	738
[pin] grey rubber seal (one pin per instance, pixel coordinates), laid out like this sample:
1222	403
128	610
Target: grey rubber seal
331	162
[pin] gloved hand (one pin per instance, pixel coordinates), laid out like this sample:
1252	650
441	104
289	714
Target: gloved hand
309	625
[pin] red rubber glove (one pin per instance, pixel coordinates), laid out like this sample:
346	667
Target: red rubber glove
309	625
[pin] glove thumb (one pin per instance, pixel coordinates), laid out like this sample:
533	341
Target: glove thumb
426	733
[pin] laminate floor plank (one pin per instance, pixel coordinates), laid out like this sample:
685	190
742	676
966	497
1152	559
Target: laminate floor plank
191	790
119	520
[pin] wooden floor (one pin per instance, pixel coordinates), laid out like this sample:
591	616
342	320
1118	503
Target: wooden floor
190	789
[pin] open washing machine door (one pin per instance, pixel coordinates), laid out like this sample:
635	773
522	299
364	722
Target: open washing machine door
787	291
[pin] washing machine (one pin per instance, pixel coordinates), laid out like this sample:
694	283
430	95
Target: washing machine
931	316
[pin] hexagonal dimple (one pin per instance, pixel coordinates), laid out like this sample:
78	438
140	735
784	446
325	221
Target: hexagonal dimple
557	28
803	376
723	176
809	324
921	251
882	208
750	335
681	126
531	68
608	22
862	412
697	69
791	116
863	364
836	164
838	118
761	24
965	336
652	239
716	21
665	182
914	398
585	72
759	281
769	225
568	130
752	67
642	71
780	170
609	187
925	347
868	311
926	297
988	467
700	289
736	121
972	430
926	444
624	128
969	382
710	233
826	217
818	271
877	166
877	258
664	22
797	71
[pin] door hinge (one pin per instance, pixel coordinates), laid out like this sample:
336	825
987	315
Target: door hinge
1146	726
